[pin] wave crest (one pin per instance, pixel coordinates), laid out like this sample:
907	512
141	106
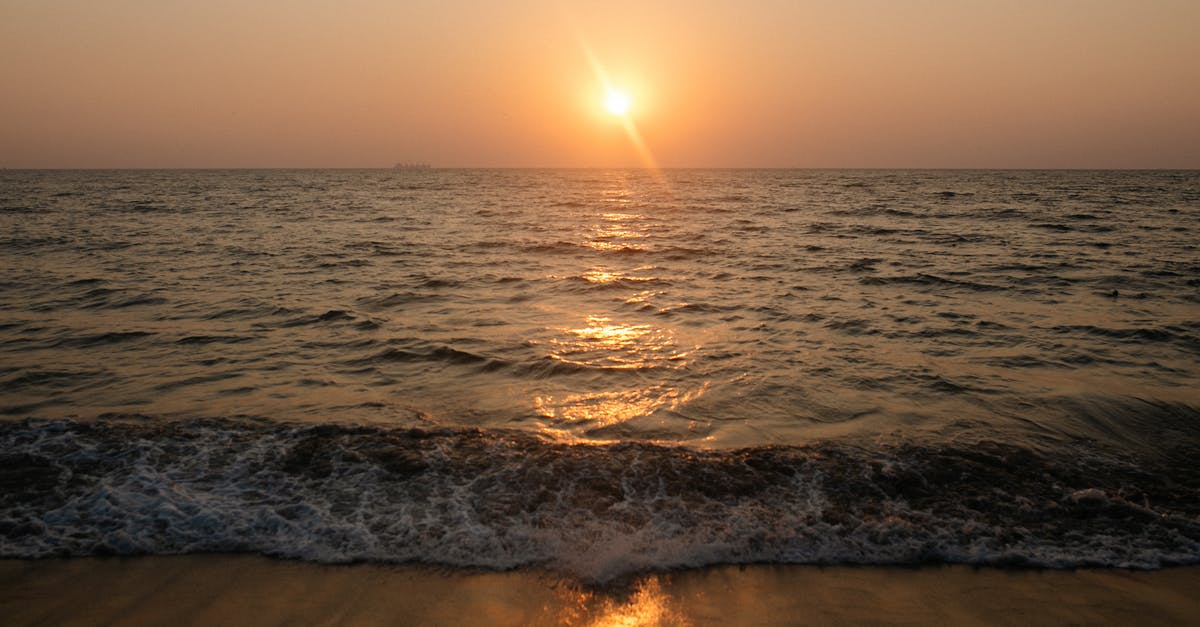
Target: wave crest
499	499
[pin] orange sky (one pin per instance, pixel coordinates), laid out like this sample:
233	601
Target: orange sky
787	83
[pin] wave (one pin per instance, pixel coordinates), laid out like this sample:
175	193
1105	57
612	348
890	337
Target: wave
438	353
1165	334
398	299
332	315
505	499
102	339
929	280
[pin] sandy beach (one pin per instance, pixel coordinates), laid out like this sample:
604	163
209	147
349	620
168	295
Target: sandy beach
223	589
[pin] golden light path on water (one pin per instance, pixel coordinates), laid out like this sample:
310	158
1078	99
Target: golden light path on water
603	343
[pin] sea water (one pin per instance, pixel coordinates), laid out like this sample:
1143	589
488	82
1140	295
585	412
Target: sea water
602	371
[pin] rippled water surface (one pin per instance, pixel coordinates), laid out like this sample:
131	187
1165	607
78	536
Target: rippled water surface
712	307
947	324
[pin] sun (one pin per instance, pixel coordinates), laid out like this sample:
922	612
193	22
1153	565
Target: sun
617	103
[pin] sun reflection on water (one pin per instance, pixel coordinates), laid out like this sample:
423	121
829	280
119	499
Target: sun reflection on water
603	409
603	344
649	604
602	275
622	365
613	233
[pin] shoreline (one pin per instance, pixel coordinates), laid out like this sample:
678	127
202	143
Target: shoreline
210	589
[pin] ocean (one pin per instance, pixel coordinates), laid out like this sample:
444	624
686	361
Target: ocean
602	372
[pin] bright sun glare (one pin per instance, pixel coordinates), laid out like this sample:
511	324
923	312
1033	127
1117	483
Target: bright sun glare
617	103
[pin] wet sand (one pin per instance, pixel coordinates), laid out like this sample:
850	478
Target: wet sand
223	589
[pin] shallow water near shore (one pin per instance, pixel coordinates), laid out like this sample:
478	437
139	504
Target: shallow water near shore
603	372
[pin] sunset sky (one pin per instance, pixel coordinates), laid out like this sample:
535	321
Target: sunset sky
367	83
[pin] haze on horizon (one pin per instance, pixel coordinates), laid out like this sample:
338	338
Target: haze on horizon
367	83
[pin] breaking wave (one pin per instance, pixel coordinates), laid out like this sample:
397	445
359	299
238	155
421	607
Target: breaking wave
504	499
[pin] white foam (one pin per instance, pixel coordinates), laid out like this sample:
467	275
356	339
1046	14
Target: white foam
219	487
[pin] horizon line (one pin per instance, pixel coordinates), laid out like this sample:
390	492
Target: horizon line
622	167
